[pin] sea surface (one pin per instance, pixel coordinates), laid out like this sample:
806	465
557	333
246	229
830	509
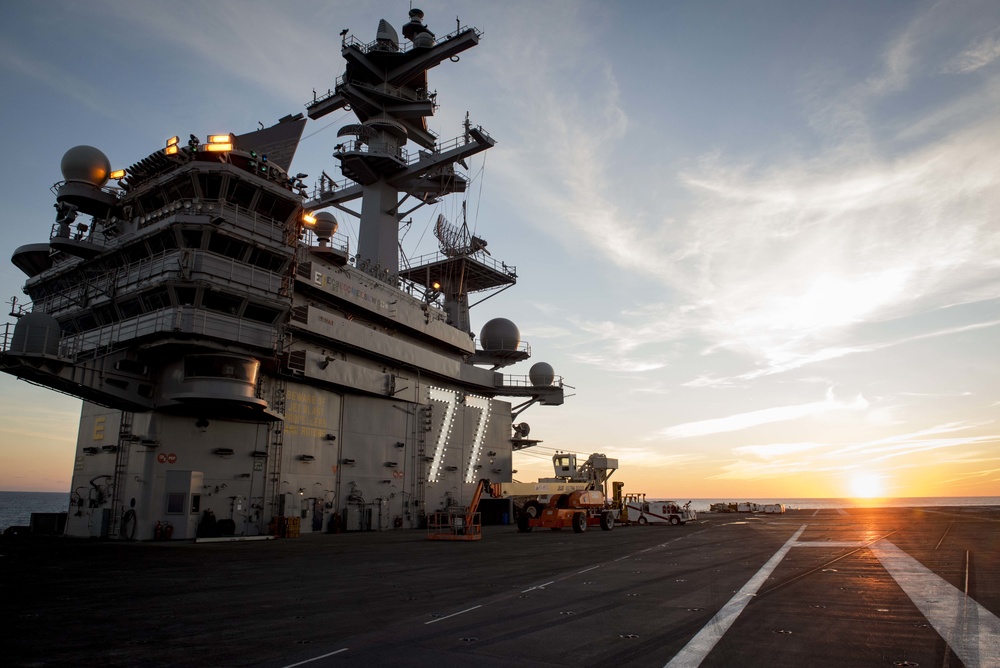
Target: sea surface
16	507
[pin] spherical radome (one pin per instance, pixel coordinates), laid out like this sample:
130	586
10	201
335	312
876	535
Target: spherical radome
541	374
500	334
86	163
326	225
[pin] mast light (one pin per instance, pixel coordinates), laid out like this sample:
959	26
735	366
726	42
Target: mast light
308	218
173	141
219	143
118	174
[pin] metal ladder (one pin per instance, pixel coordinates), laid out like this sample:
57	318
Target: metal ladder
277	439
125	439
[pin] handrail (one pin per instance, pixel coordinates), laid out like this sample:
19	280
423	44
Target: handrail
478	256
525	381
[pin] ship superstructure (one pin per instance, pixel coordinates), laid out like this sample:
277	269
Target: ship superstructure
239	361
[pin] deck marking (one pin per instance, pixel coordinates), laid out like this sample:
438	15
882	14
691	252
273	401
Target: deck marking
589	569
816	513
316	658
966	572
971	631
698	647
542	586
454	614
842	511
943	535
832	543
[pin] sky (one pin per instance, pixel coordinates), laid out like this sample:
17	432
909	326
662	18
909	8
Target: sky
759	241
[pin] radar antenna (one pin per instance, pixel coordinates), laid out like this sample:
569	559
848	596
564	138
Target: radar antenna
454	240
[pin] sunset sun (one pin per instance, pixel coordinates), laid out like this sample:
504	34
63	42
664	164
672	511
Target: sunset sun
866	486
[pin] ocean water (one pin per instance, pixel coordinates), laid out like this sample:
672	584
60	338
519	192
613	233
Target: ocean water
16	507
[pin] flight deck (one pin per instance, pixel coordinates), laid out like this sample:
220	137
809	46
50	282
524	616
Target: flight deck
854	587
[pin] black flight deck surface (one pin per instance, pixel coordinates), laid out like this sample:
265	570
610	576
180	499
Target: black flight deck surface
855	587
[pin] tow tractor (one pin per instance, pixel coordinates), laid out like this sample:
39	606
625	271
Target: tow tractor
658	512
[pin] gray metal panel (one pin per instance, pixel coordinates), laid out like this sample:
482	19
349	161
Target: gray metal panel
350	286
363	337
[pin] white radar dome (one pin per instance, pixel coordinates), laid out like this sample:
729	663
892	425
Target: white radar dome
87	164
500	334
541	374
326	225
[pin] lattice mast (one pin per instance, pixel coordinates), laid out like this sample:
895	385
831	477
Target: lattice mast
385	86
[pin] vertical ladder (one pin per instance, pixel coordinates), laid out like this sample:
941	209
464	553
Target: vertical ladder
424	425
277	438
125	439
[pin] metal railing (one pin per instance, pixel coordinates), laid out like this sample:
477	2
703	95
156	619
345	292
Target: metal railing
525	381
178	320
404	46
479	256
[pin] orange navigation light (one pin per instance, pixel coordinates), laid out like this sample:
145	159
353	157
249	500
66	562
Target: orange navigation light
171	150
118	174
308	218
220	143
173	141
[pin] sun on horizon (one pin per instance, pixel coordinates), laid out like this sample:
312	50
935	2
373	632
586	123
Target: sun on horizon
866	486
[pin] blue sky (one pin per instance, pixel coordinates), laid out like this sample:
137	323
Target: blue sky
759	239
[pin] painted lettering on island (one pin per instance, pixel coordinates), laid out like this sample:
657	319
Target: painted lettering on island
348	290
306	414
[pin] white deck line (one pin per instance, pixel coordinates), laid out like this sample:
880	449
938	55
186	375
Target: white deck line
832	543
698	647
316	658
454	614
970	630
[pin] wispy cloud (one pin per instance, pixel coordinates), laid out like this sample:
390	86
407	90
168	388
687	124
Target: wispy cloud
742	421
72	87
886	455
980	53
227	39
780	263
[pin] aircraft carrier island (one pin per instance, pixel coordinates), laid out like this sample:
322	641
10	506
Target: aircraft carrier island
244	371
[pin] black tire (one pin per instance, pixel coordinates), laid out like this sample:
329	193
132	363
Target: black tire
128	524
607	521
533	509
674	520
642	520
522	523
579	522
